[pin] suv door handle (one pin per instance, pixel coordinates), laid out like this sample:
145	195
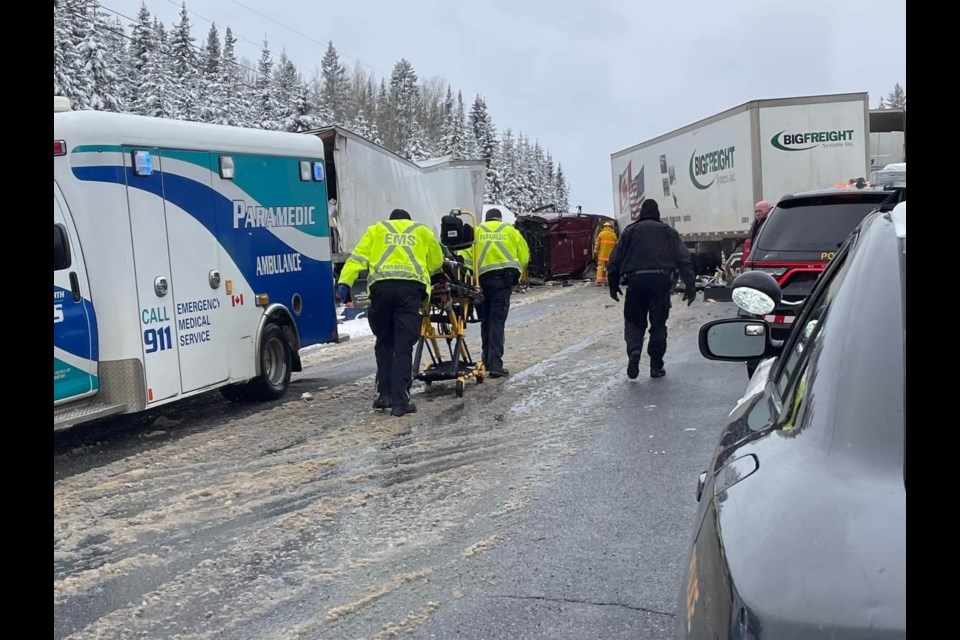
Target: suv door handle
701	481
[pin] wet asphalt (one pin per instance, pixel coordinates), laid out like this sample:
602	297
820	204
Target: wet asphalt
600	549
601	552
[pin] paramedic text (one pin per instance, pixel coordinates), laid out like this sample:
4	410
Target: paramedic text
271	216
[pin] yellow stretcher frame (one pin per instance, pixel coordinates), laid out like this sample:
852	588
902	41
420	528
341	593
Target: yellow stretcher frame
445	316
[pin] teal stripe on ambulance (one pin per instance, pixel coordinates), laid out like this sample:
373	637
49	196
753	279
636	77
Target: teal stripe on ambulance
97	148
69	381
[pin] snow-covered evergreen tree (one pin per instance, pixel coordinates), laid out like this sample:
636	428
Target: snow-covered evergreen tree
185	68
166	75
897	99
524	195
67	66
212	52
549	180
141	40
563	191
485	137
384	113
265	108
361	108
451	143
404	135
370	113
102	84
417	148
153	89
431	113
537	169
510	190
290	92
231	97
457	140
465	131
120	62
335	93
210	76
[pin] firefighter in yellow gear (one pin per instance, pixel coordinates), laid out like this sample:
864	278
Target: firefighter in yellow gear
399	255
502	258
606	241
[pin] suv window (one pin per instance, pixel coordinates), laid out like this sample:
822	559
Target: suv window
809	328
817	223
842	377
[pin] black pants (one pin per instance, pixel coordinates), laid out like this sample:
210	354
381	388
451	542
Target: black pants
497	287
394	317
648	296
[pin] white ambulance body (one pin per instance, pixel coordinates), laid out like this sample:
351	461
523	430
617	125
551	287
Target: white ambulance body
187	257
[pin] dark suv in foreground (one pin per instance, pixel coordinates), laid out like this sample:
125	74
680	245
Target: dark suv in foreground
800	532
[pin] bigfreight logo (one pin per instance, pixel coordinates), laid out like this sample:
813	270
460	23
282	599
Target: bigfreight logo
709	164
810	139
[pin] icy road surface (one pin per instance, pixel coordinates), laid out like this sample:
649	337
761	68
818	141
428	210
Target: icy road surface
554	503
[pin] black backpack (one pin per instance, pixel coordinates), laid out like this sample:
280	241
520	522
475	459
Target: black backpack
455	234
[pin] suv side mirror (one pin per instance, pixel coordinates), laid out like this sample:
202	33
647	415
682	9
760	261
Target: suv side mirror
736	340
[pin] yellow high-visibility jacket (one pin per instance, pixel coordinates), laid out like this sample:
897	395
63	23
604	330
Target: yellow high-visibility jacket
499	246
394	250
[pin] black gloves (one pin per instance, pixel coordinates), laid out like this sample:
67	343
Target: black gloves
689	293
613	281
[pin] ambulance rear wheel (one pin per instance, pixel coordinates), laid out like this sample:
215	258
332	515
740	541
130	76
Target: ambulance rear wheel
276	364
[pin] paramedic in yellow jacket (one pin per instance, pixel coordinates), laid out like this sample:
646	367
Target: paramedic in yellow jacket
503	254
606	241
399	255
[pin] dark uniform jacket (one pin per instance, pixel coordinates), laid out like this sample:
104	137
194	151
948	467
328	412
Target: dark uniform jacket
649	246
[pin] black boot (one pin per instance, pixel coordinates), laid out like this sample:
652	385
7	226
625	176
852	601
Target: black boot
382	402
657	372
399	410
633	366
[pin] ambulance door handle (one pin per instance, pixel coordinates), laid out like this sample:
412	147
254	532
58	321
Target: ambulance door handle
214	279
160	286
75	287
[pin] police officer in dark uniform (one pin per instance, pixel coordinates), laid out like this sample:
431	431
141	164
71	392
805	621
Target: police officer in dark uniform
647	258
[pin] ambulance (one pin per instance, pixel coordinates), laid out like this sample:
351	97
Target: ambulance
187	257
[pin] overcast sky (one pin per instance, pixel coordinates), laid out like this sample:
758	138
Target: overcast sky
585	78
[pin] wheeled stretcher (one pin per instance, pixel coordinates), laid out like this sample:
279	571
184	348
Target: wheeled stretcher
452	304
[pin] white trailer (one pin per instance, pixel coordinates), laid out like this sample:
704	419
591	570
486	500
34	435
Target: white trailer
708	175
888	137
187	257
369	181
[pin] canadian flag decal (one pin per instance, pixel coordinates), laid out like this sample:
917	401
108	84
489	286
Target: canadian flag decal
236	300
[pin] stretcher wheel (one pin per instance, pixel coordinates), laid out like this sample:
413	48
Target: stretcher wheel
459	390
428	382
479	379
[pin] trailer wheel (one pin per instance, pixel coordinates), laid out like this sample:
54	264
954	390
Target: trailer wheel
276	363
